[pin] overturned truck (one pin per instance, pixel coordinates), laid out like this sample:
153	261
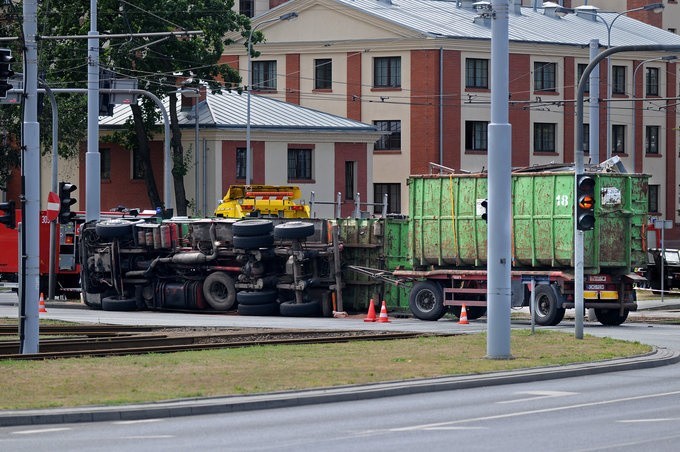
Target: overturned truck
431	262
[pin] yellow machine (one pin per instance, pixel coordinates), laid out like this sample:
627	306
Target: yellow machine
273	201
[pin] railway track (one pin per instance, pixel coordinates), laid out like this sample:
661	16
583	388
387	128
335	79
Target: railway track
101	340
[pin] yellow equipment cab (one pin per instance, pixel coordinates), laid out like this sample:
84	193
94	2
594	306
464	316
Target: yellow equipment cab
269	201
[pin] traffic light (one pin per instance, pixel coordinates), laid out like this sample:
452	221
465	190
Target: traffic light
65	202
485	205
105	104
585	202
9	218
6	71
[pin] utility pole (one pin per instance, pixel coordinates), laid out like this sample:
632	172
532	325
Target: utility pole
92	157
30	175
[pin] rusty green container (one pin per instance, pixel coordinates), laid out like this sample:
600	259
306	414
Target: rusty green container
446	229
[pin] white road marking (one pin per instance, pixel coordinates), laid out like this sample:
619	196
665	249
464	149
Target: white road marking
139	421
530	412
454	427
42	430
539	395
661	419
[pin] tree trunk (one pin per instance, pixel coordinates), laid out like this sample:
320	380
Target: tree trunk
145	157
178	168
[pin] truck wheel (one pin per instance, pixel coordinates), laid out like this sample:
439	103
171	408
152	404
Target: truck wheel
249	228
547	312
119	304
249	242
611	317
254	298
258	309
306	309
426	300
294	230
116	227
219	291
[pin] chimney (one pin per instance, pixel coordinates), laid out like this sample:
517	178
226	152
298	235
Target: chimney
517	7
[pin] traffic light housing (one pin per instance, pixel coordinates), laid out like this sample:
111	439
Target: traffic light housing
6	71
65	202
9	217
585	202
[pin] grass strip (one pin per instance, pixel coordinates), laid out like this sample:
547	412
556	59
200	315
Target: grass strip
147	378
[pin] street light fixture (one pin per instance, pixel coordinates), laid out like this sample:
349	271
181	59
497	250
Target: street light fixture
585	9
249	150
634	119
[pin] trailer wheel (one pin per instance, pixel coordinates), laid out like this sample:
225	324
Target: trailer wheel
249	228
611	317
219	291
294	230
547	311
258	309
426	300
306	309
249	242
254	298
116	227
119	304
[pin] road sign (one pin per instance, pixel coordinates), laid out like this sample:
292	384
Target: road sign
52	206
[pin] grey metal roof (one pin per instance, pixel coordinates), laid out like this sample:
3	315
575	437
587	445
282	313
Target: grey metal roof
446	19
228	110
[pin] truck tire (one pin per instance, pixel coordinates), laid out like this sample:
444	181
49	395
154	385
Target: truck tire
258	309
219	291
426	300
547	311
116	227
611	317
306	309
294	230
250	242
254	298
248	228
119	304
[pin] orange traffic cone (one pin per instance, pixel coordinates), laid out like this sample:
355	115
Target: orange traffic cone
463	316
370	317
41	304
383	313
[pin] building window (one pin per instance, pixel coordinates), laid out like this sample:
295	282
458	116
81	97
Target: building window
652	139
137	166
618	139
299	164
652	82
390	141
476	73
323	73
581	68
653	197
264	75
393	192
350	179
586	138
241	163
544	76
619	79
387	72
544	137
246	7
476	135
105	165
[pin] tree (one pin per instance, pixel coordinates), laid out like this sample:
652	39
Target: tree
159	64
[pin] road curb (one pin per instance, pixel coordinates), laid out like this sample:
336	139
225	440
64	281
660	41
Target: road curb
213	405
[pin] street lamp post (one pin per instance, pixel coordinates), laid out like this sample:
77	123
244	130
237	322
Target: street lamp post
634	118
249	150
655	7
